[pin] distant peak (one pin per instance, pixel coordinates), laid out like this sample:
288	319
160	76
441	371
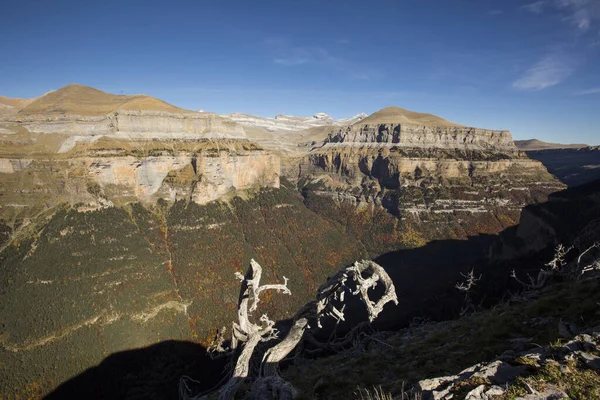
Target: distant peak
536	144
394	114
77	99
321	116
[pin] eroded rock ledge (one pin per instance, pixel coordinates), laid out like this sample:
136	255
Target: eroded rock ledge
419	136
149	124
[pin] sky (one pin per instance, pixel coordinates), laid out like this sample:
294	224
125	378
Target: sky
529	66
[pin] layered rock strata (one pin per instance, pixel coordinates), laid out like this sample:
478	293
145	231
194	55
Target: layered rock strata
198	171
149	124
438	182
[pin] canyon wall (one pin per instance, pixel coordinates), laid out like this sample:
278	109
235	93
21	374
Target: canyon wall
573	167
130	122
420	136
101	176
434	182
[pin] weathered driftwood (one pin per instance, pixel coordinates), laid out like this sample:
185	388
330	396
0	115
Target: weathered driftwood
246	335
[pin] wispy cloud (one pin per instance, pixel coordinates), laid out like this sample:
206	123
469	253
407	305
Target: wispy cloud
283	53
588	91
495	12
367	75
549	71
286	54
294	56
583	14
535	8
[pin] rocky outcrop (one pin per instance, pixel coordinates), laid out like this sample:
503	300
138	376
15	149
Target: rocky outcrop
485	381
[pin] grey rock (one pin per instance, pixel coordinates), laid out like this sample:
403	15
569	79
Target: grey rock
482	392
476	394
494	391
500	372
551	393
434	383
590	360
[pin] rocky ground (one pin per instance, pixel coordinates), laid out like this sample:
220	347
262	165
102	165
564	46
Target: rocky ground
545	346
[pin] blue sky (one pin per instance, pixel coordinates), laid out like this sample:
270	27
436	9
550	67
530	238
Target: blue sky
529	66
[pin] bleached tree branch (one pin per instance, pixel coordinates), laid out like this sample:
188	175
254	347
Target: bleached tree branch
365	275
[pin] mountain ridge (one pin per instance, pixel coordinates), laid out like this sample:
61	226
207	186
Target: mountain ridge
84	100
400	115
536	144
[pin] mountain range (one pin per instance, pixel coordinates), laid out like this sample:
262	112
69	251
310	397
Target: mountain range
123	218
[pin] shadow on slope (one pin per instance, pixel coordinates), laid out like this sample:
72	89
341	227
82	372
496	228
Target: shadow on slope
573	167
425	280
425	277
150	373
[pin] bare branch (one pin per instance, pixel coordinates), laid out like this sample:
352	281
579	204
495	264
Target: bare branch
366	275
470	282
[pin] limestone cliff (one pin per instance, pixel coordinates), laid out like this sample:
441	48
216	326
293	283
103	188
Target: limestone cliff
438	181
423	136
129	123
119	172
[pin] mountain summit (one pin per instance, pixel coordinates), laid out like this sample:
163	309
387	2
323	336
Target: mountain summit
400	115
84	100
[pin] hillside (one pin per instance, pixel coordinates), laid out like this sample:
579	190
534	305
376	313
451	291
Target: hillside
535	340
534	144
84	100
10	105
399	115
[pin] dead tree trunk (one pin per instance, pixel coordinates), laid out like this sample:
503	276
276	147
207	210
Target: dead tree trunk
363	275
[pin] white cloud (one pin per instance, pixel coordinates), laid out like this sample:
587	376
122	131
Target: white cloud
588	91
286	55
582	14
294	56
536	7
366	75
495	12
549	71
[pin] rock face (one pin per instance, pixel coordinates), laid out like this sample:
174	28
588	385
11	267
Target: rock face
126	124
199	178
420	136
192	170
438	181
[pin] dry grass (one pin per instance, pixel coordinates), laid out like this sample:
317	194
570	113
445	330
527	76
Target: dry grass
15	102
84	100
402	116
